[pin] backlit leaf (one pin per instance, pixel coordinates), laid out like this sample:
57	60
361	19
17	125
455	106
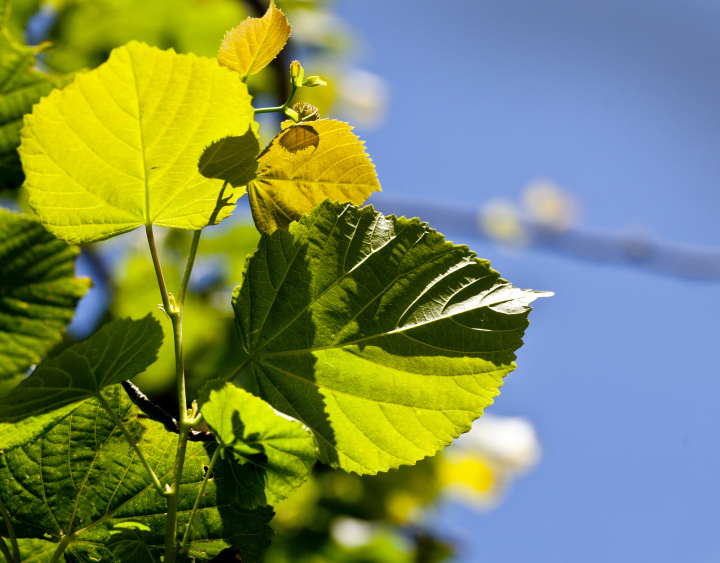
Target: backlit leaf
118	351
274	453
38	292
82	475
304	165
253	44
385	339
21	86
119	147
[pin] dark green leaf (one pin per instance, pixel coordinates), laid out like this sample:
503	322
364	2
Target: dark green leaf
38	292
128	542
82	475
119	350
385	339
273	453
21	86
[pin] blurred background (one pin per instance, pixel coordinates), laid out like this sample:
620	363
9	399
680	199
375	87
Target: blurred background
573	143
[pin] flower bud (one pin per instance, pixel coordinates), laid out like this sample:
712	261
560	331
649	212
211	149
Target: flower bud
314	81
297	74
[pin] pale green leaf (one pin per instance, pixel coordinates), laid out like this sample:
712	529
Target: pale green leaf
21	86
118	351
274	453
36	550
82	475
385	339
253	44
304	165
38	292
119	147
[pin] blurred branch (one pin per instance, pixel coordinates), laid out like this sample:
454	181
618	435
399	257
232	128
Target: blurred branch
586	243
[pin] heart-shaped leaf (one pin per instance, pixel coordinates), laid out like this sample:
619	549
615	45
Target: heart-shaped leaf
305	164
119	147
385	339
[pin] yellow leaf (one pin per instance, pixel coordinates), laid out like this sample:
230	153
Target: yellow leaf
306	164
251	46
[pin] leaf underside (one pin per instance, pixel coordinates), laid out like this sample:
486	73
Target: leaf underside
253	44
304	165
83	474
38	292
273	454
118	351
385	339
119	147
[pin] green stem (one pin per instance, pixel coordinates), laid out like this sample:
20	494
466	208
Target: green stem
186	536
10	531
119	423
283	108
5	552
66	541
188	268
185	420
238	370
158	270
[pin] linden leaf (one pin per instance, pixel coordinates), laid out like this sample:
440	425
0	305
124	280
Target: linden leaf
21	86
82	477
38	292
253	44
377	333
118	351
273	453
119	147
305	164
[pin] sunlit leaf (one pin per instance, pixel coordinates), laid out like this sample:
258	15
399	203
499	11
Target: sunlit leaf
385	339
38	292
120	350
21	86
119	147
274	453
253	44
304	165
82	475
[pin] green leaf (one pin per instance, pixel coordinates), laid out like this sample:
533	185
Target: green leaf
36	550
21	86
274	453
118	351
128	542
82	475
119	147
232	159
385	339
253	44
38	292
304	165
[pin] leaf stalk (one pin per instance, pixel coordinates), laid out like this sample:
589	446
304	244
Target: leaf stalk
186	535
285	108
119	423
11	533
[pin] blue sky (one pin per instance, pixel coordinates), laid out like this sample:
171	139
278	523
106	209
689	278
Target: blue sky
617	101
